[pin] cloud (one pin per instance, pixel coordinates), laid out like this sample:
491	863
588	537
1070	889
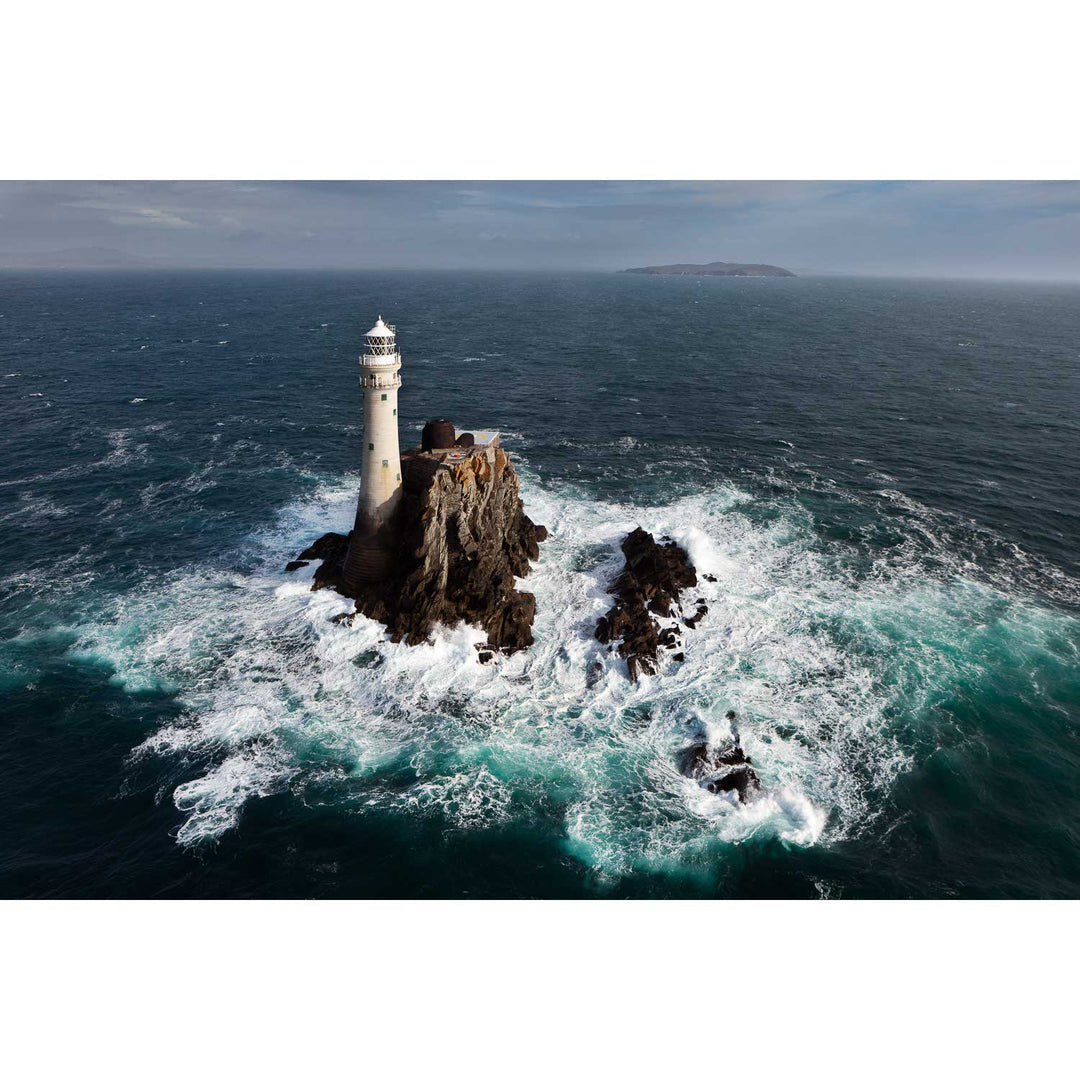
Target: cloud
140	216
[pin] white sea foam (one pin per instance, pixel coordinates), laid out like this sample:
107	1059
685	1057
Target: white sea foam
213	802
36	507
815	663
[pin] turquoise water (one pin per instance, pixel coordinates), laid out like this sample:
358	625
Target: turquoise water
881	475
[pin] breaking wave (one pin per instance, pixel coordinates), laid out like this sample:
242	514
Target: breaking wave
834	669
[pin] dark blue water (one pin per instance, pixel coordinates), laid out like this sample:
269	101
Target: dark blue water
881	475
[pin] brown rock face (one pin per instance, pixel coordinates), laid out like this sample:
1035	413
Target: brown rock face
460	537
649	584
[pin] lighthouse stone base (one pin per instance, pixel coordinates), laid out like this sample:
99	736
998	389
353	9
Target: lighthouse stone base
459	539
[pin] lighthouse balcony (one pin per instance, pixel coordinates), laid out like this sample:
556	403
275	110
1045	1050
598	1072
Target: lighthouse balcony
380	380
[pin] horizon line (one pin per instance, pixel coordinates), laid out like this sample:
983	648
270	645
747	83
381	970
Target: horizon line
806	273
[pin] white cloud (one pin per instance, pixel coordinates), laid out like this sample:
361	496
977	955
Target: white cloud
124	216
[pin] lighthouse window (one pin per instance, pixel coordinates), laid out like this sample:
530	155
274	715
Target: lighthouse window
384	397
385	463
371	446
395	412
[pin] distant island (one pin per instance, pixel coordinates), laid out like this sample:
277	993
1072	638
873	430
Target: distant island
714	269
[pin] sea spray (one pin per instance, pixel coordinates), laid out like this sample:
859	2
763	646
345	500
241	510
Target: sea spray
273	688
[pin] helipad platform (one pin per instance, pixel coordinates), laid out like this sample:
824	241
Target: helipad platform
482	438
484	443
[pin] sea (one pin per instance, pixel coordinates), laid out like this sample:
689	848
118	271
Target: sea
880	475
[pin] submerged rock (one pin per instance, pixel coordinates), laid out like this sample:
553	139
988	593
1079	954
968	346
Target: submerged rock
720	769
649	584
693	620
459	538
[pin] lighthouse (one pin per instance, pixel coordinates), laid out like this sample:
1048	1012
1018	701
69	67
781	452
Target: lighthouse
380	470
370	553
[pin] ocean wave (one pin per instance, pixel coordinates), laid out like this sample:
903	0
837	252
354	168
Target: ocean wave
121	453
835	676
36	507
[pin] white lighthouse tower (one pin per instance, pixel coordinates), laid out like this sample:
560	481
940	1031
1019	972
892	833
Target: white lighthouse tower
380	474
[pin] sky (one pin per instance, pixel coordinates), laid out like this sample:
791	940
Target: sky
1011	230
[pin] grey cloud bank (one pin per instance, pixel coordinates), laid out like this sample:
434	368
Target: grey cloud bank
952	229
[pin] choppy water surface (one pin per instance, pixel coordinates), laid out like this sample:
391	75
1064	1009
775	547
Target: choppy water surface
881	476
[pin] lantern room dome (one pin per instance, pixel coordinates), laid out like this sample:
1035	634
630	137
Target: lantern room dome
380	330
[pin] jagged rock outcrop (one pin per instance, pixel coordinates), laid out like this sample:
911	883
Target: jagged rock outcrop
326	548
720	770
648	586
459	538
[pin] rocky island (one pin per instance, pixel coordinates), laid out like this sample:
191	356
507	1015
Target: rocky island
714	269
648	587
440	533
451	550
